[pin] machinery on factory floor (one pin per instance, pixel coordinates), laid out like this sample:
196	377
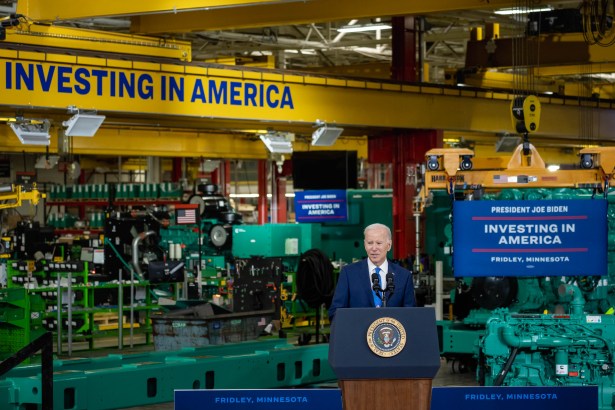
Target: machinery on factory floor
573	349
148	378
542	329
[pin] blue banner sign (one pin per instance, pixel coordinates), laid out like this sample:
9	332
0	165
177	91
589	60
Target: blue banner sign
514	398
530	238
265	399
321	206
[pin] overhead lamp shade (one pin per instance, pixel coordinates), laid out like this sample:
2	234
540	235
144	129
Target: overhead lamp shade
515	10
325	135
83	125
360	28
31	134
277	144
507	143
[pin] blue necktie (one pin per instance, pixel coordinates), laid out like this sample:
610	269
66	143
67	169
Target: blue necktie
377	300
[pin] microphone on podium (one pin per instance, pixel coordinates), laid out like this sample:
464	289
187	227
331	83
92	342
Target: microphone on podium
390	283
376	282
378	290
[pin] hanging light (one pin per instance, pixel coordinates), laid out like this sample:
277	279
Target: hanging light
32	132
82	124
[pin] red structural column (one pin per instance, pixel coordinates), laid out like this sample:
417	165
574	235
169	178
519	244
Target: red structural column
282	211
262	191
405	149
176	170
404	65
221	176
226	188
216	178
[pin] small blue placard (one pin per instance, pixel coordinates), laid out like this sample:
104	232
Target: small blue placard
261	399
530	238
321	206
514	398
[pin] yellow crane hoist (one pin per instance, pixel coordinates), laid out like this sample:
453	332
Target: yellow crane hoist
12	196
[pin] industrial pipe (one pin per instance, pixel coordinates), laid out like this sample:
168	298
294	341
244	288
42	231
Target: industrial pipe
417	229
578	301
511	339
135	250
439	290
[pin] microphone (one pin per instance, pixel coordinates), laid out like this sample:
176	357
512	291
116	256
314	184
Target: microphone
376	282
390	283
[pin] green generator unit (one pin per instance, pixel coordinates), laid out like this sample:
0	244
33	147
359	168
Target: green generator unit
275	240
344	240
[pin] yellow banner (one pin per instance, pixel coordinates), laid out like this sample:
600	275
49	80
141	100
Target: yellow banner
113	89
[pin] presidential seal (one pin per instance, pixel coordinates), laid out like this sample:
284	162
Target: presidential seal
386	337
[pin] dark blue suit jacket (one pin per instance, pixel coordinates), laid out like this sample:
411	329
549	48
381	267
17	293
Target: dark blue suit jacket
354	288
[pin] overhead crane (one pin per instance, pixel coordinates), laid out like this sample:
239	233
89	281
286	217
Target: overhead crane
213	97
197	15
159	95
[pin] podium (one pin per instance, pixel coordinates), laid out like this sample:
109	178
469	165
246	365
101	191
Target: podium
385	357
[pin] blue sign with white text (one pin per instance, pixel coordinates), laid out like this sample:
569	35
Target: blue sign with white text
321	206
514	398
530	238
260	399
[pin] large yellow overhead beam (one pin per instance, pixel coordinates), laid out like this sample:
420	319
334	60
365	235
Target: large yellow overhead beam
210	97
157	16
53	10
126	142
545	50
100	41
177	143
576	69
302	13
509	81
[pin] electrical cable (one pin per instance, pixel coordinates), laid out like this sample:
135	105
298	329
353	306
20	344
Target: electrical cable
315	278
598	22
502	374
123	261
140	279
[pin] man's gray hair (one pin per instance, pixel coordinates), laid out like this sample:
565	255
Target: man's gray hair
379	226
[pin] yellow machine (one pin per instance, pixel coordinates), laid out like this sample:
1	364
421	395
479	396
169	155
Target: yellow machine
450	168
451	177
12	196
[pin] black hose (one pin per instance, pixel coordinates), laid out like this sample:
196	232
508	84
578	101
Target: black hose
502	374
315	278
481	367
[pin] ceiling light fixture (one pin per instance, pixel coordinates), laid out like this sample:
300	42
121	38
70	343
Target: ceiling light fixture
82	124
358	28
507	143
325	135
277	143
511	11
553	167
32	132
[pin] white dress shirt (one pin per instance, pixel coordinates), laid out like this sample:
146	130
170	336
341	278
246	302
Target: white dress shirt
384	268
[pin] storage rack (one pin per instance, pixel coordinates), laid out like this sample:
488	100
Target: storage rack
71	305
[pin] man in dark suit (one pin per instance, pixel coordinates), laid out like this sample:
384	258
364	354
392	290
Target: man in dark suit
354	286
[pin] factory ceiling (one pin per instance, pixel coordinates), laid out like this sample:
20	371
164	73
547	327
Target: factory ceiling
298	34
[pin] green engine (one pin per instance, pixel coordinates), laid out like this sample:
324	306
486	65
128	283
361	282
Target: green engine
573	349
475	299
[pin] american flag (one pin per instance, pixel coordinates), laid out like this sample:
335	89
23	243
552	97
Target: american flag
185	216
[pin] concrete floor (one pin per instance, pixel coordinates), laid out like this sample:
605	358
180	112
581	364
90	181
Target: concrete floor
447	376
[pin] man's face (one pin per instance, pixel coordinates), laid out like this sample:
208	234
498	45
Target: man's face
377	244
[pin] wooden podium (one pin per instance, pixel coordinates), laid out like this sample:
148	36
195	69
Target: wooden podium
394	374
